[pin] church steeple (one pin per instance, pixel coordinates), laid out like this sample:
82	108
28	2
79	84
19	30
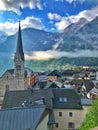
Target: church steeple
19	69
19	44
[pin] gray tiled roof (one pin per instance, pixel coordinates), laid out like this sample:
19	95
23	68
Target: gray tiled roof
11	71
20	118
86	101
89	85
16	98
66	98
60	98
77	82
28	72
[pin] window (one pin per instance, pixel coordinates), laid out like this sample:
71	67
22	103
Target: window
70	114
60	113
57	125
70	125
7	76
62	99
65	99
18	67
7	88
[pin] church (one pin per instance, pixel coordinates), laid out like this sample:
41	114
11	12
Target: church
19	78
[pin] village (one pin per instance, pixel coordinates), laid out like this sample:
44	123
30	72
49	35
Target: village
52	100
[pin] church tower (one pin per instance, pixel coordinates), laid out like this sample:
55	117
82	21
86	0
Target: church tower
19	69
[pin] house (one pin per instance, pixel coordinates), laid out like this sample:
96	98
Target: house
55	75
93	93
96	75
28	118
52	78
51	84
87	86
65	104
82	87
67	109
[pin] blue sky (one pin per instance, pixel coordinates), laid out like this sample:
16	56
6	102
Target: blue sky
48	15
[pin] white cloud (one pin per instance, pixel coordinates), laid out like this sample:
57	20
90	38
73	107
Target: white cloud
40	55
12	28
52	29
63	21
70	1
62	24
46	55
54	16
8	27
33	23
88	14
15	5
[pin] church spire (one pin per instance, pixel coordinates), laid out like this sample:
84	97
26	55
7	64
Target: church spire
19	69
19	44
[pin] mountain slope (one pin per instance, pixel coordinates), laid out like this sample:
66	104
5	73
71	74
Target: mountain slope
33	40
68	33
3	37
84	37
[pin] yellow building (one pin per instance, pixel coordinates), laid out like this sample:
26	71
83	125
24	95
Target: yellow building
68	110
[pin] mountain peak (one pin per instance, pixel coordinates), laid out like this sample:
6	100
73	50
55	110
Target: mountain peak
74	27
82	20
95	20
80	35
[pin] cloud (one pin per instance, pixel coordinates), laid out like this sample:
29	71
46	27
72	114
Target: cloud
11	28
70	1
88	14
62	24
54	16
46	55
33	23
15	5
65	21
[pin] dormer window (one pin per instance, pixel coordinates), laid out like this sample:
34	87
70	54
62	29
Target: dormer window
62	99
